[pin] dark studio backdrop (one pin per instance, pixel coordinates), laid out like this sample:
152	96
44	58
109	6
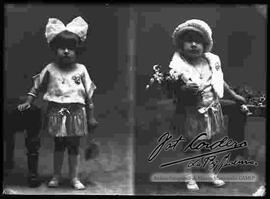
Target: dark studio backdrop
27	53
239	35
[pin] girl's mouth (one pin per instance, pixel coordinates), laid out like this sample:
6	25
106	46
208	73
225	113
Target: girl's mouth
194	50
66	57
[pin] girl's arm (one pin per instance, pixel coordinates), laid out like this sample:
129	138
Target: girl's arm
233	94
89	90
89	87
40	81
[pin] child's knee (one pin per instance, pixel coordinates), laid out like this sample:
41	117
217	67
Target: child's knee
73	145
59	144
73	150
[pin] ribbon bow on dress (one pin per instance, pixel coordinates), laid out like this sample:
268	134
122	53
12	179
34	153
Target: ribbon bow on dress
77	26
207	119
64	112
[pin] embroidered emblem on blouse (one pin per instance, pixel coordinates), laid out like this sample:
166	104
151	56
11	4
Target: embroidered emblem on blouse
217	66
77	79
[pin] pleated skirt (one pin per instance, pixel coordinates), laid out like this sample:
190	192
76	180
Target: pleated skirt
67	119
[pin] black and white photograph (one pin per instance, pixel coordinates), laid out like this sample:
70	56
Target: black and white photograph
200	100
66	100
134	99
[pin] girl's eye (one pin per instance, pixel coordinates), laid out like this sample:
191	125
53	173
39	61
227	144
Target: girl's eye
69	48
193	38
189	39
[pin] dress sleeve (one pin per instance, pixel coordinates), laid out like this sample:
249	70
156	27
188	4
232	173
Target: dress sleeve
88	84
39	82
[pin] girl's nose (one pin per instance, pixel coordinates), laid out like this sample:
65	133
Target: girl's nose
193	44
66	51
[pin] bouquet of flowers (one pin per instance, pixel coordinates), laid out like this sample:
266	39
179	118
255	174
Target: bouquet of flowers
167	82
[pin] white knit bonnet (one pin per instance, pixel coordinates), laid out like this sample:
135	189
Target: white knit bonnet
195	25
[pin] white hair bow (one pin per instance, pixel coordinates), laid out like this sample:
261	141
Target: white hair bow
77	26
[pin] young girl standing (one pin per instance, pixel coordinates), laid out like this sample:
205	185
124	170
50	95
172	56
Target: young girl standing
68	89
202	86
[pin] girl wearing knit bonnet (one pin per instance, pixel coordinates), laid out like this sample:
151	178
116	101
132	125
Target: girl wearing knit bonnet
201	77
68	89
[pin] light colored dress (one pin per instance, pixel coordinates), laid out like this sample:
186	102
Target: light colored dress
206	116
202	112
61	86
67	93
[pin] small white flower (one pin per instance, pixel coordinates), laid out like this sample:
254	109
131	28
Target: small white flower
175	75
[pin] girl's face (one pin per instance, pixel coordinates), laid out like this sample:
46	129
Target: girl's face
193	44
66	55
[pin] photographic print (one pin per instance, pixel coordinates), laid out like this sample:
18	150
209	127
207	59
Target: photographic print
134	99
66	100
200	100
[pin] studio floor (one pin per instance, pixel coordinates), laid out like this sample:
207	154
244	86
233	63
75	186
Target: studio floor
109	173
113	172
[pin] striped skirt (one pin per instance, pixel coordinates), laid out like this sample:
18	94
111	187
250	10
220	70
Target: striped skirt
66	119
207	120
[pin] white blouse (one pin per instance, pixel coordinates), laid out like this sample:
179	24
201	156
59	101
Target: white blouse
180	67
60	86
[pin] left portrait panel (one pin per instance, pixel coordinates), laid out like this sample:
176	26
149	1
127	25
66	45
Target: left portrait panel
66	105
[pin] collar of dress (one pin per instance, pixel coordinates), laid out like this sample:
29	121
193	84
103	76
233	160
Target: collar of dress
182	67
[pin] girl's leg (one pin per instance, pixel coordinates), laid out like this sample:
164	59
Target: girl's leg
73	165
59	150
214	179
189	177
210	170
74	159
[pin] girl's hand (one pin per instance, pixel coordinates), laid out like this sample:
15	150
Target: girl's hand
192	86
93	123
24	106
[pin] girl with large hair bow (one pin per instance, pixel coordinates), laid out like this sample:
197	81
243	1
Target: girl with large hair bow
68	89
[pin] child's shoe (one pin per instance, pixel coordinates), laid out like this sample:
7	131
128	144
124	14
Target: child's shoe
76	184
260	192
191	183
54	182
215	180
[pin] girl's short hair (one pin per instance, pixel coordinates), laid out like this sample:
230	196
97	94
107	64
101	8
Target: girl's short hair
67	39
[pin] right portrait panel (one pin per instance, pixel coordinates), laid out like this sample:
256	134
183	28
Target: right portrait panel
200	84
